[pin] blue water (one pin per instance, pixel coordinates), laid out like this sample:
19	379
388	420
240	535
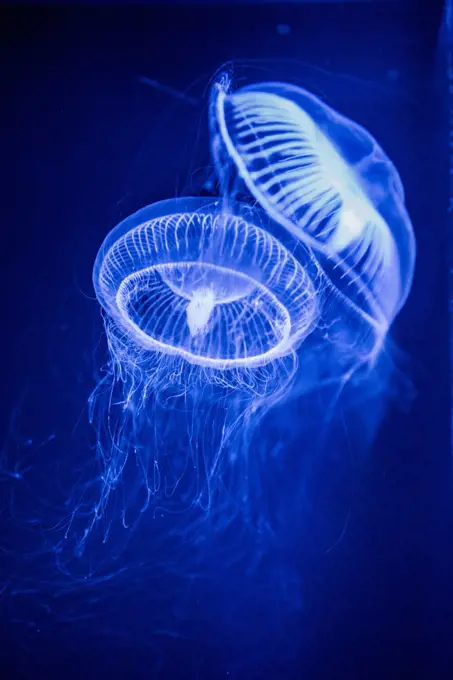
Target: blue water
103	111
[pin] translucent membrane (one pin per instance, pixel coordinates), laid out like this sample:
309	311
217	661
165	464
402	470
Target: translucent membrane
183	278
327	181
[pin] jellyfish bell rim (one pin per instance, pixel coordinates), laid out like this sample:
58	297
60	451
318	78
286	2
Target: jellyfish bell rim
198	205
372	313
146	341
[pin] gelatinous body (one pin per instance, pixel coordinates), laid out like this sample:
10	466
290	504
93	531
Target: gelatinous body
205	311
207	288
328	182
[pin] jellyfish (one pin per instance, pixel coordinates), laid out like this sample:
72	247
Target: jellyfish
205	312
326	181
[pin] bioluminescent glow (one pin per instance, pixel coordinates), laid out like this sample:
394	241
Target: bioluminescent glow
204	289
327	181
204	312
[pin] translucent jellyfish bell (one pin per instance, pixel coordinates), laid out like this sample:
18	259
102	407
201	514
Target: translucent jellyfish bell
203	287
328	182
204	314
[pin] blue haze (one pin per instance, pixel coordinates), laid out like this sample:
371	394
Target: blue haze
345	570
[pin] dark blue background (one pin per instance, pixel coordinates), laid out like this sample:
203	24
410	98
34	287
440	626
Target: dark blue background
85	143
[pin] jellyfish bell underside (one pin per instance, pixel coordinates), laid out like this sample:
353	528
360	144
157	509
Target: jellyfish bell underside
327	181
205	314
215	291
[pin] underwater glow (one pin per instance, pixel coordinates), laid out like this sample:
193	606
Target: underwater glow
205	288
228	412
327	181
204	312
